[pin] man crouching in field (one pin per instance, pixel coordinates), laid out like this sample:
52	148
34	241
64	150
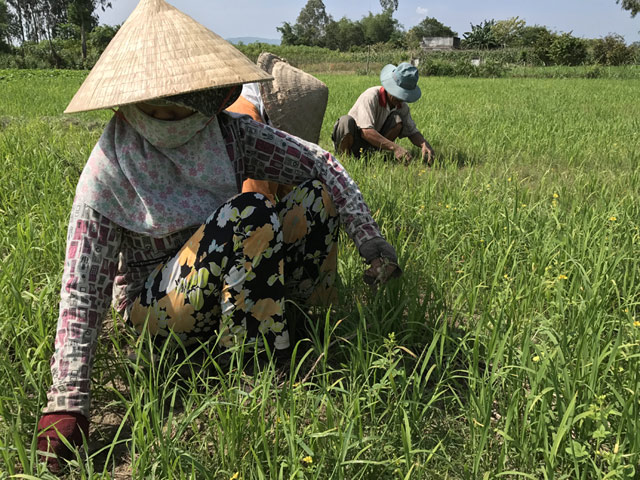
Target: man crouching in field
381	114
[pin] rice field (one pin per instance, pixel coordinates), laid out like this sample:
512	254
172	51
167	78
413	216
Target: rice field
510	348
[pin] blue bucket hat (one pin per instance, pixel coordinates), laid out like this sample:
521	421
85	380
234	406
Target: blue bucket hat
401	81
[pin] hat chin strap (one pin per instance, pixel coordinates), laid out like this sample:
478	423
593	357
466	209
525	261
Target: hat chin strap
225	103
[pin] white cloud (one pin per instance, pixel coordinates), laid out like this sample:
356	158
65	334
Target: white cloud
422	11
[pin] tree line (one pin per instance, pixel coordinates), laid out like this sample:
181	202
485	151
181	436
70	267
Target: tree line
315	27
25	23
66	34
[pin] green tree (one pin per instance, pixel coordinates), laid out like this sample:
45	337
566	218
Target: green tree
344	34
380	28
7	27
612	50
632	5
82	14
568	50
287	34
46	20
43	19
429	27
311	24
530	36
101	36
389	5
507	32
29	19
481	36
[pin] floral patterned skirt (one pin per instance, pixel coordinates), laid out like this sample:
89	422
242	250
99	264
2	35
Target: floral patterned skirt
230	280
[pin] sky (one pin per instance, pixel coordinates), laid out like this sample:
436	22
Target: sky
259	18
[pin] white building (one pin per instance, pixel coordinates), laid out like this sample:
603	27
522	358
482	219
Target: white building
440	43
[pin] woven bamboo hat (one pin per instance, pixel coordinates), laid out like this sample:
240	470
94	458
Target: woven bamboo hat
295	101
158	52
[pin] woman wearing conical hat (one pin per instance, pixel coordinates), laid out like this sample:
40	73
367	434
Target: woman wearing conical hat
158	223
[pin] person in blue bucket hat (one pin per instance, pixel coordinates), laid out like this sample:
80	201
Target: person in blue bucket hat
381	115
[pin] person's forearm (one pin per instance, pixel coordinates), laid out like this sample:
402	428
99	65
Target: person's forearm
417	139
374	138
92	246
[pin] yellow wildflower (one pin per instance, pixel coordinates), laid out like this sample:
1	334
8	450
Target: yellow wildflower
562	277
636	323
235	476
509	179
555	195
613	219
536	359
447	206
308	460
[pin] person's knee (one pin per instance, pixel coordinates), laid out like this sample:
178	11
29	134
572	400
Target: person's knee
345	144
343	133
249	208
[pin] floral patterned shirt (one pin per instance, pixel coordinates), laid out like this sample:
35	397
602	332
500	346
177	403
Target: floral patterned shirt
105	260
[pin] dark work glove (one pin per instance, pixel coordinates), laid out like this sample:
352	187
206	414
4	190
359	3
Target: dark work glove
383	260
53	426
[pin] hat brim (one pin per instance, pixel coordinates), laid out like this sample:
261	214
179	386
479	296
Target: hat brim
160	52
386	79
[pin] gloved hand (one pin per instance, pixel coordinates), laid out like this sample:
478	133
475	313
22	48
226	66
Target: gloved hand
53	426
383	260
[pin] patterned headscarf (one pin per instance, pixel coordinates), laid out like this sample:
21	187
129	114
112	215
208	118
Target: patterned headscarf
157	177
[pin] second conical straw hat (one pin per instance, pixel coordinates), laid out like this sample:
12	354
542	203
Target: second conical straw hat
158	52
295	101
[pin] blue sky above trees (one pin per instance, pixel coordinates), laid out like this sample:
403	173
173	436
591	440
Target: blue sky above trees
259	18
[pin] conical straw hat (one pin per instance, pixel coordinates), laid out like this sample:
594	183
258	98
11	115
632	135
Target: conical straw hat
295	101
159	51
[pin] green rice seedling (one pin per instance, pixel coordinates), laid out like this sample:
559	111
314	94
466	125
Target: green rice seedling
509	348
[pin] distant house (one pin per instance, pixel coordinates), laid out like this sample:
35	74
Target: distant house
440	43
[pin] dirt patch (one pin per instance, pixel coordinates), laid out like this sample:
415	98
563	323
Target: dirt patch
109	437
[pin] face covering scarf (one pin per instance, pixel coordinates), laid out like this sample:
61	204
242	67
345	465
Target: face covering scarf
157	177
